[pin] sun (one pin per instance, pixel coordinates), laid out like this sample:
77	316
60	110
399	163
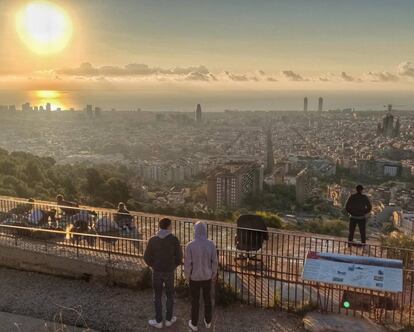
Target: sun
44	27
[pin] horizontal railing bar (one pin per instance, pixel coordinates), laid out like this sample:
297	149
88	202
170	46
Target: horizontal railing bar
271	231
33	229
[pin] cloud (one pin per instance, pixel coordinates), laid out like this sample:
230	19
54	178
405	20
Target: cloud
142	72
406	69
347	78
381	77
134	69
237	78
292	76
188	70
198	76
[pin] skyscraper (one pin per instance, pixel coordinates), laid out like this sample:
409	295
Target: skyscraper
320	104
48	107
229	184
26	107
269	151
198	114
303	186
89	110
388	129
305	104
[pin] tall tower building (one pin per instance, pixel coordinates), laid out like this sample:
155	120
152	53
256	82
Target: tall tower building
320	104
48	107
26	107
303	186
270	162
89	110
397	128
198	114
305	104
229	184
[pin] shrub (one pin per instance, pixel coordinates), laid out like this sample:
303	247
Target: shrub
401	246
272	220
225	294
182	288
146	281
327	227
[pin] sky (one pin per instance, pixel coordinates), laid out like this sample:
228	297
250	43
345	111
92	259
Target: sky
228	49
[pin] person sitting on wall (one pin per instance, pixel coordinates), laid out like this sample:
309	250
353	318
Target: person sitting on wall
83	221
19	211
23	208
123	217
61	202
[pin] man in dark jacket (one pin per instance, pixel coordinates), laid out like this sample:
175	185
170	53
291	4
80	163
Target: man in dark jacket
358	206
163	254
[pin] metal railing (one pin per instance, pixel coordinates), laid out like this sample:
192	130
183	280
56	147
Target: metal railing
269	278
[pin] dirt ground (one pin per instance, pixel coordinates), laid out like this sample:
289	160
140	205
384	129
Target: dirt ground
105	308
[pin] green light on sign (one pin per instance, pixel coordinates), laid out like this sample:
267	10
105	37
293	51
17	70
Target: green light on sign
347	305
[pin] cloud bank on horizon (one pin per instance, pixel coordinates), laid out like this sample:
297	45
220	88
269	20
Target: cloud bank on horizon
138	72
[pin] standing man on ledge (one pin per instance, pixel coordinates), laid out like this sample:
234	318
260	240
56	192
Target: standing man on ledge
163	254
358	206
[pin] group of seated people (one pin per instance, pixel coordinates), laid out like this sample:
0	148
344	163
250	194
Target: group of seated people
36	215
251	230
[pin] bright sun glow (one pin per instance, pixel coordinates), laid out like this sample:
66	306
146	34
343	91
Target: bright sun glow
56	99
44	27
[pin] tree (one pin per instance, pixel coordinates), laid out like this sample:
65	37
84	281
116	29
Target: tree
7	167
32	172
94	181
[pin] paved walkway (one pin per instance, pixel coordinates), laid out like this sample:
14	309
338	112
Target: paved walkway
104	308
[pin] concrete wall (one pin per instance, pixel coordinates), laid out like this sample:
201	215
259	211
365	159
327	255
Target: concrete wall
20	259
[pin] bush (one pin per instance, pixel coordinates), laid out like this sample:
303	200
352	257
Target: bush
272	220
225	294
146	281
401	247
327	227
300	309
182	288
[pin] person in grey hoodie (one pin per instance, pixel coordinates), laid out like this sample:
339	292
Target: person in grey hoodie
163	254
200	269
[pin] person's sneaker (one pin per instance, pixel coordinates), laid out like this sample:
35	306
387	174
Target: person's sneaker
191	326
154	323
168	323
208	325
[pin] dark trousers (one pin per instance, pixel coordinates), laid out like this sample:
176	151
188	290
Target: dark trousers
195	288
159	280
362	229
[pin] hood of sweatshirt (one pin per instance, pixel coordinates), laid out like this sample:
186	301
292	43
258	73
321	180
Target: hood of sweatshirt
163	233
200	231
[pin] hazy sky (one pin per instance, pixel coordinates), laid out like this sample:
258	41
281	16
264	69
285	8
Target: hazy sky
261	45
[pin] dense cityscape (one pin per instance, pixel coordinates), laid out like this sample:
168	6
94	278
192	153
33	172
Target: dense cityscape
204	162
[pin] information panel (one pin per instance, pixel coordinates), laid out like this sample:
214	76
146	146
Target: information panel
355	271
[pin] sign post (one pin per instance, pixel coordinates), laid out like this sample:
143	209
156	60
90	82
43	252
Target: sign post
369	273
